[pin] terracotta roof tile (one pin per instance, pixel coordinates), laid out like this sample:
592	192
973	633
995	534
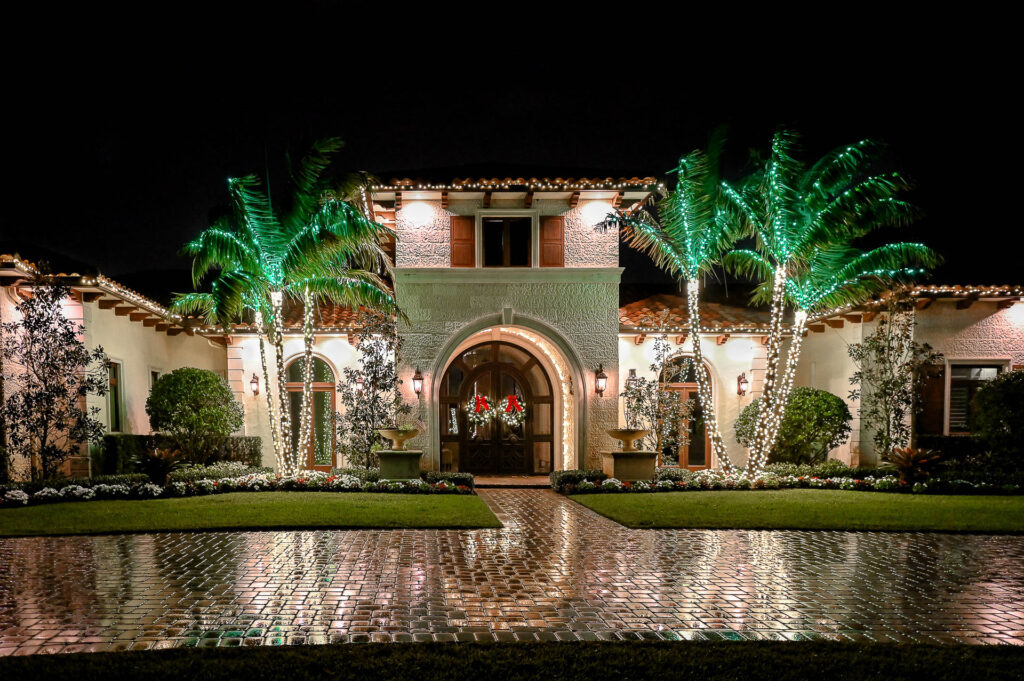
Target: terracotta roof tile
667	311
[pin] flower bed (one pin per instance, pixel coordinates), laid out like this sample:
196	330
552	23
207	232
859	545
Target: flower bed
258	480
681	480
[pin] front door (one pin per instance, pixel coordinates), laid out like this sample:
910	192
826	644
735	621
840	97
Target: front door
695	453
496	371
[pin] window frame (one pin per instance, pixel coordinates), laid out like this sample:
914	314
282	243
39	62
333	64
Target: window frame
531	213
1004	364
120	396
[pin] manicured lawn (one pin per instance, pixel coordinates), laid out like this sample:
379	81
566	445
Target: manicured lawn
250	510
749	661
811	509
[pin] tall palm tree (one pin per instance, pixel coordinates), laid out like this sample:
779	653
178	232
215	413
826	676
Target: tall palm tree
686	239
320	247
804	221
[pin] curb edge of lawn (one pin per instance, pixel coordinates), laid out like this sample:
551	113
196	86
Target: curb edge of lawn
759	528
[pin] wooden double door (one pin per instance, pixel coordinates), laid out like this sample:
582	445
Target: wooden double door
496	370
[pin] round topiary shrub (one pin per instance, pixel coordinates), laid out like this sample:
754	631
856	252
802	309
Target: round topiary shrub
997	419
195	407
816	422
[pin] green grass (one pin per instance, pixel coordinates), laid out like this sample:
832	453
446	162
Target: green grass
249	510
746	661
812	509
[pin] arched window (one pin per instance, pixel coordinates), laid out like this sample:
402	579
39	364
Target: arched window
320	453
679	375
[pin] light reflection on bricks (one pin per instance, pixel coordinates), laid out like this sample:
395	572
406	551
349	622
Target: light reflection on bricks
557	571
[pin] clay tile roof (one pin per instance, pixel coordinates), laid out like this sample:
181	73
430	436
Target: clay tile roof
495	182
667	311
327	315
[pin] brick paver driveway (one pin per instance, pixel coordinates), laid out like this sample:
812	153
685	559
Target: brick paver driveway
557	571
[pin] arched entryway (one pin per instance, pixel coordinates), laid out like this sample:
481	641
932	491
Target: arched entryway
497	370
679	376
320	453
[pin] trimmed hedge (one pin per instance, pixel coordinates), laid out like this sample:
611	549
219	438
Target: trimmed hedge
560	480
226	469
128	479
121	451
364	474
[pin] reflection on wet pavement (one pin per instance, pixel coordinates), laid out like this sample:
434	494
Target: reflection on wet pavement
557	571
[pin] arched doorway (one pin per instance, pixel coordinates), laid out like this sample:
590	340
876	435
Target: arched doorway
320	452
679	376
496	370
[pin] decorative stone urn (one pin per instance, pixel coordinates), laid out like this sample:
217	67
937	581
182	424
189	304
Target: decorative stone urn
399	463
629	463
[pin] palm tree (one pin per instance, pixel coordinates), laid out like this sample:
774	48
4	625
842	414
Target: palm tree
686	240
804	221
320	248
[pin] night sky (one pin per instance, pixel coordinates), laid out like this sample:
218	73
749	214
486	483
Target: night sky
111	169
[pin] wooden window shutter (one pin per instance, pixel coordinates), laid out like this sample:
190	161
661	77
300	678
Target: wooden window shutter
552	241
463	242
933	402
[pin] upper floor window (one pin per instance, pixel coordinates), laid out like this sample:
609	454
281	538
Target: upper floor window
507	241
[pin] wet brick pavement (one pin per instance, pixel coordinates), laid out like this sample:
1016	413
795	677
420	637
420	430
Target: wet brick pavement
557	571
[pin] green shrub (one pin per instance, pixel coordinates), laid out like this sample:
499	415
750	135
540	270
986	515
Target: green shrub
121	452
364	474
60	483
997	419
561	480
815	423
195	407
458	478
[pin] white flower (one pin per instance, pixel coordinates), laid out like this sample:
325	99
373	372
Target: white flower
46	494
16	496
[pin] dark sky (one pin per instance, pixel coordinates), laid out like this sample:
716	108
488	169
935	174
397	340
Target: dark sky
119	160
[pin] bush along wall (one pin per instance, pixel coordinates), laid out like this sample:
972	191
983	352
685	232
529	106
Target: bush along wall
681	480
223	478
121	452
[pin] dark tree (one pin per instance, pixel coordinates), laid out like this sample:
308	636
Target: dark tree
48	372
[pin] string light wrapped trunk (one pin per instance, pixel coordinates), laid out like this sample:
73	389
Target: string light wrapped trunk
703	389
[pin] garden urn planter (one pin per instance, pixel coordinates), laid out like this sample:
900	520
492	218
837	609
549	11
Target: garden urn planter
401	464
627	436
398	437
628	463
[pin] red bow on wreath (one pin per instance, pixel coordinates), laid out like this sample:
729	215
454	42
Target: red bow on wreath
481	404
513	404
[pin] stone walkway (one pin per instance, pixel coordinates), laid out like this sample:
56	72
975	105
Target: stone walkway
557	571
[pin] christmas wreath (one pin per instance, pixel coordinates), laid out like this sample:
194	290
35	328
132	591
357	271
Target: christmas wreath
478	411
511	411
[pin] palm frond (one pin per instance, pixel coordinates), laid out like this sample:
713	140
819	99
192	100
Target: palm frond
307	181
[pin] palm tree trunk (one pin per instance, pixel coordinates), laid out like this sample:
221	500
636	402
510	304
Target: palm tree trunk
306	418
703	389
785	387
275	431
286	426
766	413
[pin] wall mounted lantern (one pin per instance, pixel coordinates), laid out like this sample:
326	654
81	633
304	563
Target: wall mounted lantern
742	384
254	385
631	379
359	382
601	380
417	382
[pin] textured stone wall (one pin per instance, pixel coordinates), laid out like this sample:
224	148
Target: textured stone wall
584	313
424	232
980	332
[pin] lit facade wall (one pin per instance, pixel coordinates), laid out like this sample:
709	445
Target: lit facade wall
739	354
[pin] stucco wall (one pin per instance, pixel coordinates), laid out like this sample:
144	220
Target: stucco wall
580	305
726	362
141	350
424	232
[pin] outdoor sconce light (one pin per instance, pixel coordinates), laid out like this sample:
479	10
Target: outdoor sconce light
417	382
601	380
254	384
742	384
631	380
359	383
